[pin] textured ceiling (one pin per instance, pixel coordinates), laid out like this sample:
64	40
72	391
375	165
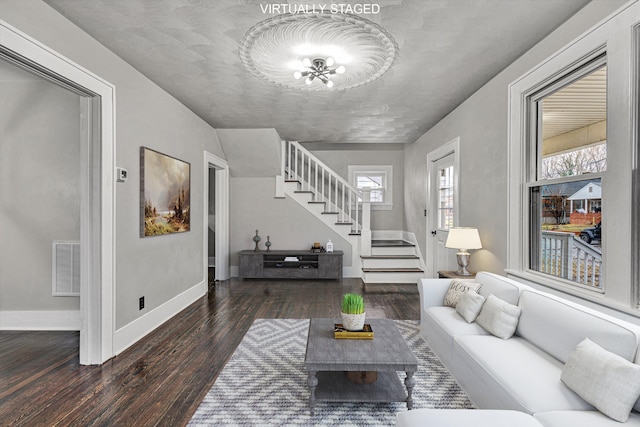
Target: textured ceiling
447	50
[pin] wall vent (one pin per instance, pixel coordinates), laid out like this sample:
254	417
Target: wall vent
66	269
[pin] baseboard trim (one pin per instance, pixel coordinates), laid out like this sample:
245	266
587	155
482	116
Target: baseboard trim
128	335
67	320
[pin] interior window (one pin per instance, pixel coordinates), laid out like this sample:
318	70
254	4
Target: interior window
374	182
377	179
569	145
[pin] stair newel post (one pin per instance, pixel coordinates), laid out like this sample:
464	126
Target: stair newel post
365	234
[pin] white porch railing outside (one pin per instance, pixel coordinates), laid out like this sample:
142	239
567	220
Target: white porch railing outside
351	204
564	255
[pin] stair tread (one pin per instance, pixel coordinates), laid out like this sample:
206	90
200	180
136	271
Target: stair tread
387	243
316	202
344	223
393	270
330	213
390	257
354	234
303	191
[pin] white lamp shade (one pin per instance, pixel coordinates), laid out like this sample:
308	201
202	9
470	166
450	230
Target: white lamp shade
463	238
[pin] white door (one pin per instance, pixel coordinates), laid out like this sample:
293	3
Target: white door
442	212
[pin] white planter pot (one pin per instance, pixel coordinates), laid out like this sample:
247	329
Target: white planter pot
353	322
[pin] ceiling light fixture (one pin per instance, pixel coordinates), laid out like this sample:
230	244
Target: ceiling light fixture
319	69
274	48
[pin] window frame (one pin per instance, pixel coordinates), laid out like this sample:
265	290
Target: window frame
381	170
533	179
617	36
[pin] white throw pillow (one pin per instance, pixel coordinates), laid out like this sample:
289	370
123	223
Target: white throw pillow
499	317
470	305
456	289
604	379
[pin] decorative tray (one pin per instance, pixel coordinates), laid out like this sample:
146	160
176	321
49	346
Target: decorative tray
341	333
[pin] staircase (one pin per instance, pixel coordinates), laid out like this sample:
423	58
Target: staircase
391	261
347	210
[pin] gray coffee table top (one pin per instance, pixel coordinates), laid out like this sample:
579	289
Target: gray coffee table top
388	351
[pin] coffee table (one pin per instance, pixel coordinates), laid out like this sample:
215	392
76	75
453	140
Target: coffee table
327	358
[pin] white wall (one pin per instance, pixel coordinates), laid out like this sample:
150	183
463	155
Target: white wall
39	187
159	268
482	125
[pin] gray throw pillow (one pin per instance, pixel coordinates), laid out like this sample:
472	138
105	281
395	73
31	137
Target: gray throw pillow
604	379
499	317
470	305
456	289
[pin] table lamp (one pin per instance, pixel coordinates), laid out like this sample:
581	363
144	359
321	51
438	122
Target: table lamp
463	238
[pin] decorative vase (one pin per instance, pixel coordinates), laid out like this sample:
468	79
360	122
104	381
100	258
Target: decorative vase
256	239
268	244
353	322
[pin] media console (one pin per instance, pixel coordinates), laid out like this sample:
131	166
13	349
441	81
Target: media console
290	265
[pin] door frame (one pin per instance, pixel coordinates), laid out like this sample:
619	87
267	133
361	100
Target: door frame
221	168
451	147
97	211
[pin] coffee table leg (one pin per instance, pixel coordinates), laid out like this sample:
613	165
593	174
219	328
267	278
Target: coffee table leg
409	382
312	381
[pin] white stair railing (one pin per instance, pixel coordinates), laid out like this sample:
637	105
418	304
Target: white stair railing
564	255
351	204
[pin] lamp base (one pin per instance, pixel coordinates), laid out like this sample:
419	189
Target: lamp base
463	262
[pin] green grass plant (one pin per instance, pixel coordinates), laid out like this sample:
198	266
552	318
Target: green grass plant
352	304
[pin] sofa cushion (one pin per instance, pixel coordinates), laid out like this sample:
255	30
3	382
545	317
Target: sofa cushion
504	288
470	305
457	288
499	317
604	379
511	374
583	419
557	326
440	325
464	417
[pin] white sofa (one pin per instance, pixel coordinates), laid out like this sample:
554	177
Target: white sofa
521	373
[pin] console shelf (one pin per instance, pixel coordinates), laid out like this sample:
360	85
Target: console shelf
290	265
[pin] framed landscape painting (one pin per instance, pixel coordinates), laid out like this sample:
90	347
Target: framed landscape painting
165	194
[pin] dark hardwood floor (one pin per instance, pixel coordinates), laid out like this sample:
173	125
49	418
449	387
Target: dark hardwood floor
162	379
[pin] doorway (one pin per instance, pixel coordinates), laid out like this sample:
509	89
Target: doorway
442	201
216	222
211	230
40	143
97	99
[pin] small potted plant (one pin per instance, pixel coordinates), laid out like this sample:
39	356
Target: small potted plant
353	312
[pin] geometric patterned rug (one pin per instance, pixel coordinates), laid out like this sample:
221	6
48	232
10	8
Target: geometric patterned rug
265	383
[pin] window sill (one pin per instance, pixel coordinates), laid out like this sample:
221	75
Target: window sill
381	207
